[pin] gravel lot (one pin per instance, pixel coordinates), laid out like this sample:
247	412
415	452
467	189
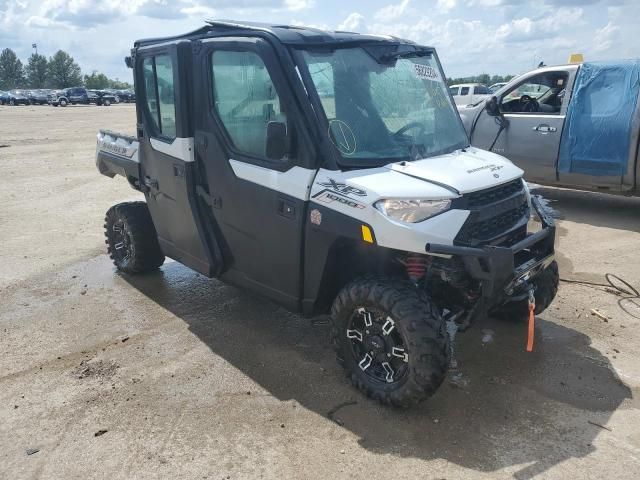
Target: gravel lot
172	375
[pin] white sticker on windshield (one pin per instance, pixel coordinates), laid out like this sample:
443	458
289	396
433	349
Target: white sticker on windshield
426	72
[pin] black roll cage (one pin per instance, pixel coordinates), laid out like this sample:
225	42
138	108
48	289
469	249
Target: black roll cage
287	43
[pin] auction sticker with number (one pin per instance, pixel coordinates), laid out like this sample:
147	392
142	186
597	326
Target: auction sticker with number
426	71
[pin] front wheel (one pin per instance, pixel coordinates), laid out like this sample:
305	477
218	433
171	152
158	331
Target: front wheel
132	241
391	341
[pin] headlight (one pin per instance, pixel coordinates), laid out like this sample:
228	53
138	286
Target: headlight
412	211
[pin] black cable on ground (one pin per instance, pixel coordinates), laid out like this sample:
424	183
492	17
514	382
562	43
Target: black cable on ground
610	284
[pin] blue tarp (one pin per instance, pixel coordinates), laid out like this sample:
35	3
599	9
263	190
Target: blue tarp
597	130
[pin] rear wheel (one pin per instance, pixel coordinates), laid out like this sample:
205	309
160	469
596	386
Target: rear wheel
546	287
62	103
131	238
106	103
391	341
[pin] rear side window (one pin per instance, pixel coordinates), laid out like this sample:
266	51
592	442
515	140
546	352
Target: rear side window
245	99
481	90
453	90
159	94
464	90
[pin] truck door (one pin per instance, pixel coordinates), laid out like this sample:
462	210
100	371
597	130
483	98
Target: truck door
77	95
535	109
168	164
258	196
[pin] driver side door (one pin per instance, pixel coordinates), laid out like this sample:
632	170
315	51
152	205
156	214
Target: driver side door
531	139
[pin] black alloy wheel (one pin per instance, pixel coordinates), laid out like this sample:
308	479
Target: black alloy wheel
380	347
390	339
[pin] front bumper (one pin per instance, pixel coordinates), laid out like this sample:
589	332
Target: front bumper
504	271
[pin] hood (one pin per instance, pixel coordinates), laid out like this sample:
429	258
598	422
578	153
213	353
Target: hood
465	170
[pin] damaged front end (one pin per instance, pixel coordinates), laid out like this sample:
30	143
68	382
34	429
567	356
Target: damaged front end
479	279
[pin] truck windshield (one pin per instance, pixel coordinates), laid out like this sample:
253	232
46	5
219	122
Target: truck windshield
382	112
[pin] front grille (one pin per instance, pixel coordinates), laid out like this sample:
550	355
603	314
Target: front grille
498	215
474	233
491	195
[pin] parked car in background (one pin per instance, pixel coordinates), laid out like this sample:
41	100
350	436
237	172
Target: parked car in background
18	97
126	96
37	97
469	93
78	96
57	98
113	92
496	86
104	98
4	97
575	126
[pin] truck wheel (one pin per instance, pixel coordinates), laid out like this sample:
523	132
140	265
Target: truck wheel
546	284
132	241
63	103
106	103
391	341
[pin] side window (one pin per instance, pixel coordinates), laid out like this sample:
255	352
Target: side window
481	90
454	90
542	94
245	99
159	94
464	91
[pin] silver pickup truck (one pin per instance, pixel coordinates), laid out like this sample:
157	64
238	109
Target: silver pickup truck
575	126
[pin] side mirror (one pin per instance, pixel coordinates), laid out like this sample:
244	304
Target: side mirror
492	107
277	145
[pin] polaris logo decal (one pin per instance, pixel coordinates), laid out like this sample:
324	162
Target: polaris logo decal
343	188
491	168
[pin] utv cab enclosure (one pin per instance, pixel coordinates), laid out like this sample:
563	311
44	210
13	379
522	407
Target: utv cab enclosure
329	172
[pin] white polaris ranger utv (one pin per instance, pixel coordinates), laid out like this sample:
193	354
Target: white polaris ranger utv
329	172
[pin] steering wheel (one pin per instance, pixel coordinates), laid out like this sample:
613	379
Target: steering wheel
411	126
529	104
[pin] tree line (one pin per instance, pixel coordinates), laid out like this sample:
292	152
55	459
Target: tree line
483	78
58	71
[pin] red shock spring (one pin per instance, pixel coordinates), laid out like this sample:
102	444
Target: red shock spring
416	265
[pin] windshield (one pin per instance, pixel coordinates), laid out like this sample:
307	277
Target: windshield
385	112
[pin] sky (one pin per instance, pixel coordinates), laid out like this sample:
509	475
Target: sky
471	36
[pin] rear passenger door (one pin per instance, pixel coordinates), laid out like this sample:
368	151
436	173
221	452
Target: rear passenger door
169	172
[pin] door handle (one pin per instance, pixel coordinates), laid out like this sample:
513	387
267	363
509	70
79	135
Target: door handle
544	128
286	208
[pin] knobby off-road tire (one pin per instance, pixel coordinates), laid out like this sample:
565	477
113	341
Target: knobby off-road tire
546	284
132	241
420	332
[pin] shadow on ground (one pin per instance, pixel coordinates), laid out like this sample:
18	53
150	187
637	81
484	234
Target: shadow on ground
593	208
508	408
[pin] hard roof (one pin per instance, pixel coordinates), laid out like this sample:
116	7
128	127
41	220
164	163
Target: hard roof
289	34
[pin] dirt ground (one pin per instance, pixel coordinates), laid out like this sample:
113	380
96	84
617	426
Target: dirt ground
172	375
